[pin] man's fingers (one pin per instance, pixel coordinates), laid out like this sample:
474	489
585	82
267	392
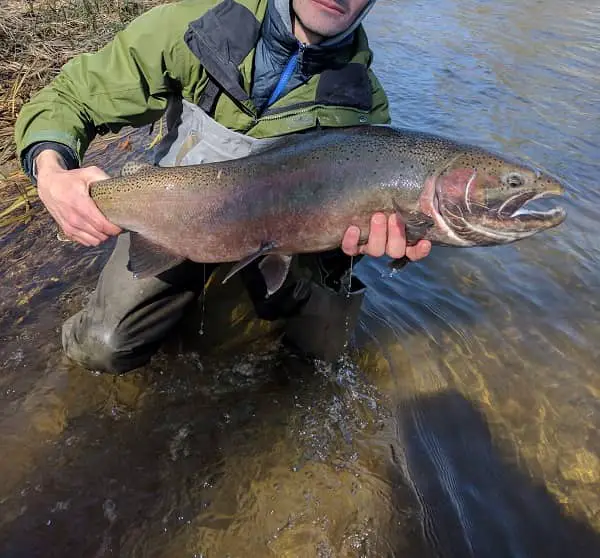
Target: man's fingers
377	236
75	225
350	241
84	238
94	215
65	193
100	223
419	250
396	239
386	236
90	230
86	234
110	228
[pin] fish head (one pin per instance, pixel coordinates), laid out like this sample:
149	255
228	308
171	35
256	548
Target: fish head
479	199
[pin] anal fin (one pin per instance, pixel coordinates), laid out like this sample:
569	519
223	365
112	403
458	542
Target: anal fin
147	259
274	269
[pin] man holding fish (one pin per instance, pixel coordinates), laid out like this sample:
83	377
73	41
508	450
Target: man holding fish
253	68
233	76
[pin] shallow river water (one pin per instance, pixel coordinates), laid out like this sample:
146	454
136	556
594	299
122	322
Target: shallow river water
465	420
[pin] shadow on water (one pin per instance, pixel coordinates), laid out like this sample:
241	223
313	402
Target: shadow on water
474	499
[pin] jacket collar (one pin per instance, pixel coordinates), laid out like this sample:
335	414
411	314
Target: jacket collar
281	43
225	35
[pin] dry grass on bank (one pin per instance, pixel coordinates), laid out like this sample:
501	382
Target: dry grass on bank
36	38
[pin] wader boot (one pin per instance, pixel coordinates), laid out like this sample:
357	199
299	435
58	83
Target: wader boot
126	319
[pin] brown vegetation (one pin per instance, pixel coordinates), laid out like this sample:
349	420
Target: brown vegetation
36	38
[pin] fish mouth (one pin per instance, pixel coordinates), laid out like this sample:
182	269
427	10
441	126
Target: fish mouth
514	213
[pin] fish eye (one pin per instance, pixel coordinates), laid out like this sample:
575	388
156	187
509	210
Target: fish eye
513	180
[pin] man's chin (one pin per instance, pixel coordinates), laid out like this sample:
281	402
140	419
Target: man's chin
323	28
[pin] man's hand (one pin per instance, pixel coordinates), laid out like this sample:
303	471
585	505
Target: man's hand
386	236
66	195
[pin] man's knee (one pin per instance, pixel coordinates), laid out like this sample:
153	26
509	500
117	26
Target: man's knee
101	349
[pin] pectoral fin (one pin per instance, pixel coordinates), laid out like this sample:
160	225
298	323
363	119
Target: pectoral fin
274	269
416	222
265	249
147	259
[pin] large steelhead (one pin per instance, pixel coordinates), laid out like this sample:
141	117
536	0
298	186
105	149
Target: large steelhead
302	193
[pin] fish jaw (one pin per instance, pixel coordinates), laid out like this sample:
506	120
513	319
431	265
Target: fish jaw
479	200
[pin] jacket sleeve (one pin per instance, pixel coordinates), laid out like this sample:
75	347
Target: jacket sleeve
31	152
128	82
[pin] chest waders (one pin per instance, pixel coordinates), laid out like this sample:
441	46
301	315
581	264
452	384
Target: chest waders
126	319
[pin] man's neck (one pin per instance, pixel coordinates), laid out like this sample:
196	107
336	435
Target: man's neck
304	35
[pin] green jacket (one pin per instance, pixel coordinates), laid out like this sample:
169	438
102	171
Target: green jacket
202	50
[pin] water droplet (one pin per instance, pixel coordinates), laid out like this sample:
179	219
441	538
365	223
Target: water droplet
109	508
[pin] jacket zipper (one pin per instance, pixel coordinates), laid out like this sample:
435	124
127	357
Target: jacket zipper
301	49
303	111
288	114
255	118
294	61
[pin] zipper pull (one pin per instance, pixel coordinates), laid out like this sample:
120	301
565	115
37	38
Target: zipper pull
301	49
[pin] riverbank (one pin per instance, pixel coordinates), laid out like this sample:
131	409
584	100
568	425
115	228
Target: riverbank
37	38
